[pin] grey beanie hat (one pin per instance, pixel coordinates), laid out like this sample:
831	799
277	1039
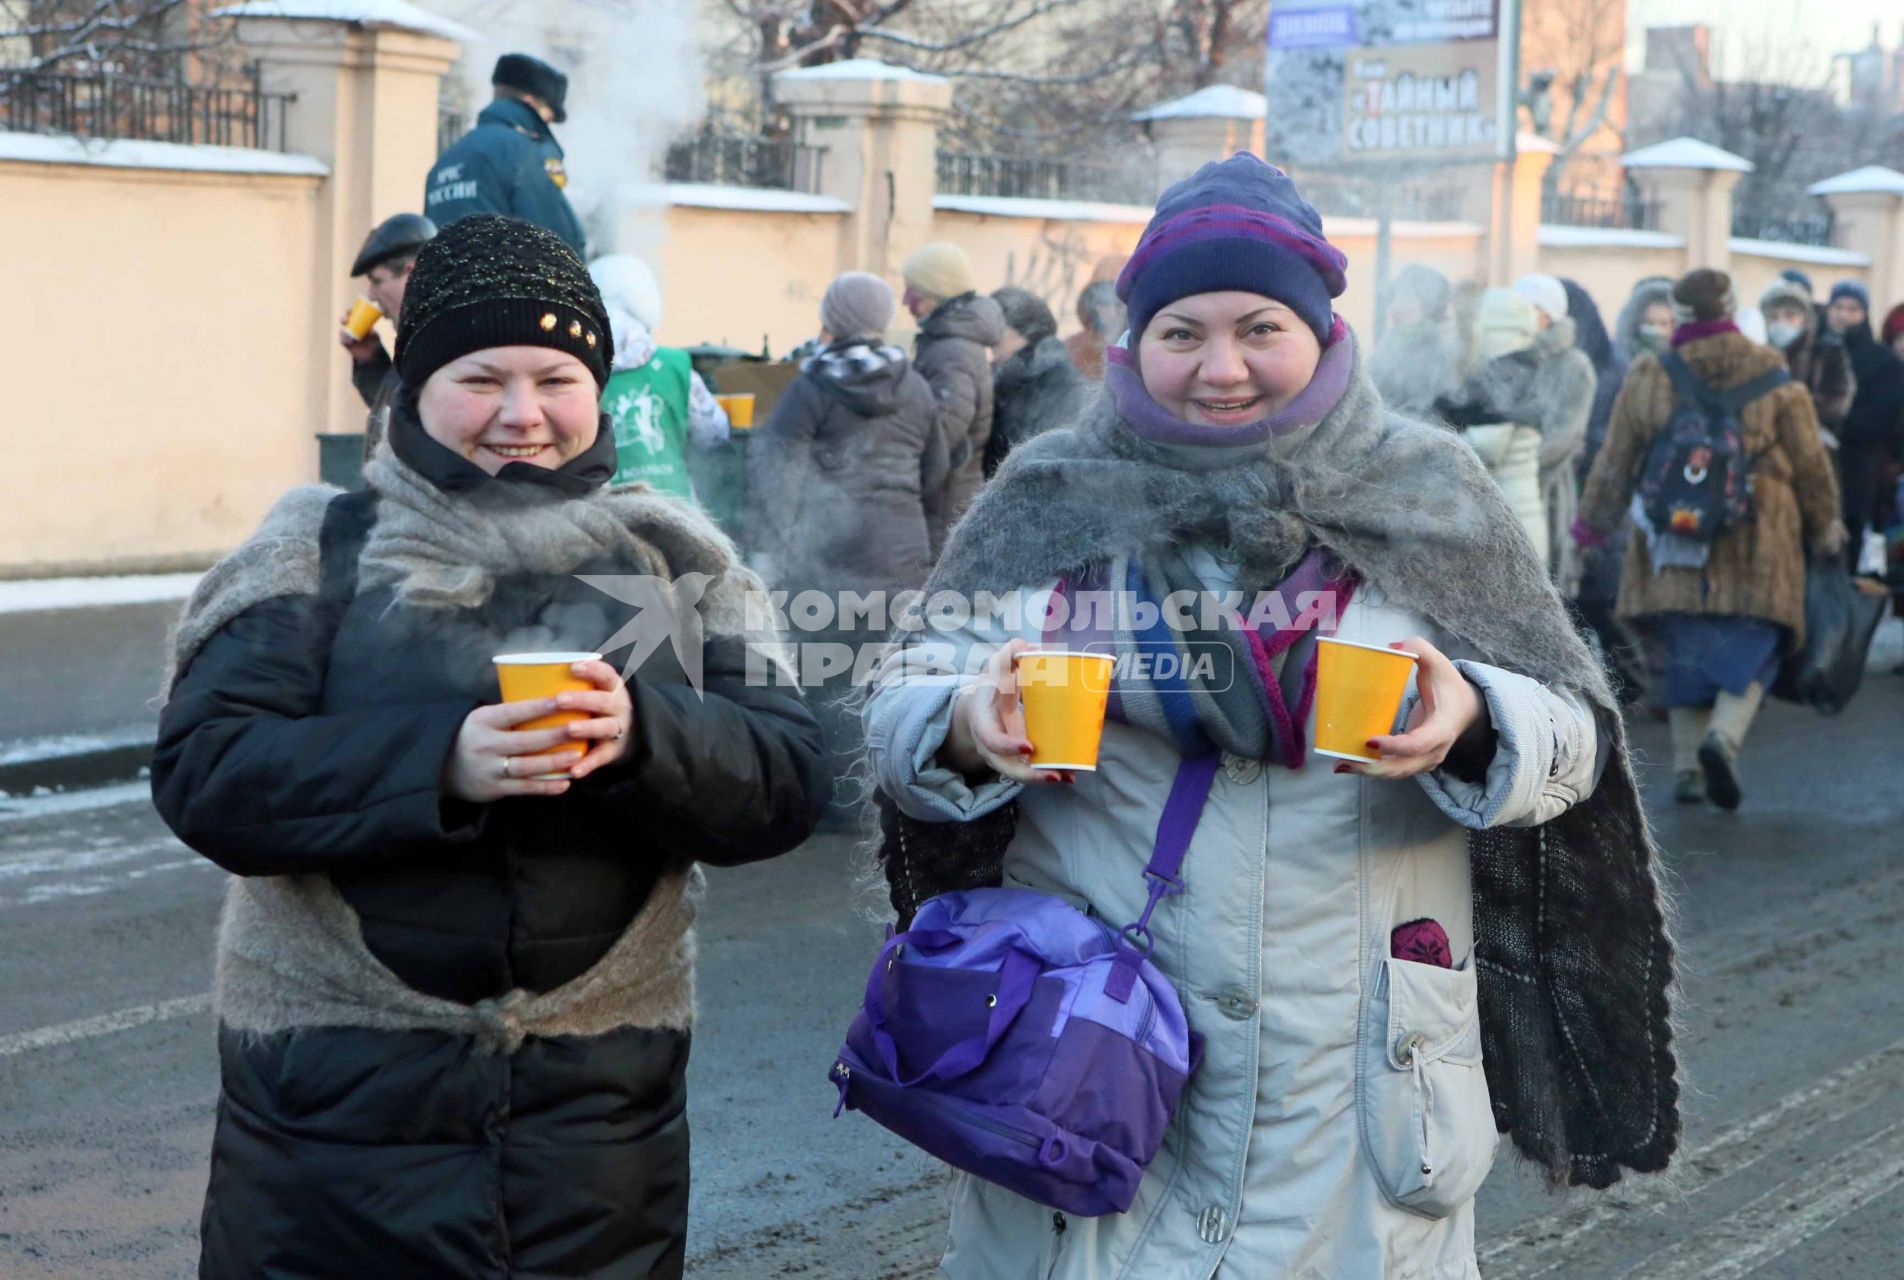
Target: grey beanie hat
857	304
1026	312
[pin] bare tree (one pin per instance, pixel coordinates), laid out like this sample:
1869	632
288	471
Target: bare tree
1575	51
156	39
1780	115
1035	77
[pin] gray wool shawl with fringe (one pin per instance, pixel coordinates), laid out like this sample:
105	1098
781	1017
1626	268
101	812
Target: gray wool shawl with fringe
290	949
1575	962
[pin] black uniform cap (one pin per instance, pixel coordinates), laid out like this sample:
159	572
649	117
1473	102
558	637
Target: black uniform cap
533	75
399	235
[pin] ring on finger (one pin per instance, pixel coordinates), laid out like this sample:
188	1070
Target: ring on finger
505	765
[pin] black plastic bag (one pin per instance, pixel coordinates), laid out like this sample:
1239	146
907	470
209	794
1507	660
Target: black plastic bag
1839	623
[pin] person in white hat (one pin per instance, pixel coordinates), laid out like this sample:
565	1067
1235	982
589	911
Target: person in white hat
958	327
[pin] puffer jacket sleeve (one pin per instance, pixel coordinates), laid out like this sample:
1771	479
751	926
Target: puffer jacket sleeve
733	774
249	773
909	714
1549	752
955	387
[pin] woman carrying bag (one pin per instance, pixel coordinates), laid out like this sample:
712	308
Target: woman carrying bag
1721	609
1373	966
455	975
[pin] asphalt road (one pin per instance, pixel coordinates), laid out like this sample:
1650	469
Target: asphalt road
1792	1034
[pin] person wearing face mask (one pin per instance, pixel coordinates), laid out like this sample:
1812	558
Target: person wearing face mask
1243	457
455	976
1823	369
1645	324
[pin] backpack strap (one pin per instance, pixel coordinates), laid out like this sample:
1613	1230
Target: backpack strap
1685	385
1736	398
340	544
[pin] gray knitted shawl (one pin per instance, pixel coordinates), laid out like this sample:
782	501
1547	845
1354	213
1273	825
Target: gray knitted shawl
290	949
1574	958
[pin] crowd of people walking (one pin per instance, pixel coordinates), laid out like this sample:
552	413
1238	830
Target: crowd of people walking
455	968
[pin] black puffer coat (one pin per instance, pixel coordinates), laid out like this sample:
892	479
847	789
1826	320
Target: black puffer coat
848	475
953	355
311	734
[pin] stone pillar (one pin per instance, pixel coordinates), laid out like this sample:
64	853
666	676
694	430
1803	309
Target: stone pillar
1514	210
1867	208
1693	182
366	106
880	127
1210	124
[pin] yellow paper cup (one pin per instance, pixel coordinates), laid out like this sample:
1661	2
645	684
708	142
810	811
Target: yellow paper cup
740	410
363	317
1359	690
1064	693
543	675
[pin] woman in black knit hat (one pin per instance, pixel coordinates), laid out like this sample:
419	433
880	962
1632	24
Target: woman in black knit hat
455	966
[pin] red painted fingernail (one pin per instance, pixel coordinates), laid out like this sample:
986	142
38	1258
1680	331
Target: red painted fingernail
1342	768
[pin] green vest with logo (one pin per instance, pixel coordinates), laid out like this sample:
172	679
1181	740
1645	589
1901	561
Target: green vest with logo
648	406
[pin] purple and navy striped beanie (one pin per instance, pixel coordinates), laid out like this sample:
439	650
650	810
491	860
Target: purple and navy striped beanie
1235	224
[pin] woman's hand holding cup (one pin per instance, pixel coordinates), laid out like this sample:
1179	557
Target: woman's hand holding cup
1448	709
494	760
988	724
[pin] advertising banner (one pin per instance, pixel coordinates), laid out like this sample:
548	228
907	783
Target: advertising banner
1350	84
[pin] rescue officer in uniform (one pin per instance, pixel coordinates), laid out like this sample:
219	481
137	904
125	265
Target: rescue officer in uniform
389	252
510	163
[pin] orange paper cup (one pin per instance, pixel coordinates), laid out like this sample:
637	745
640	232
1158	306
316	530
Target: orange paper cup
363	317
1359	690
739	408
1064	693
543	675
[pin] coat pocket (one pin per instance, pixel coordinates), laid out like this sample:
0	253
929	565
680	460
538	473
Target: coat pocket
1426	1116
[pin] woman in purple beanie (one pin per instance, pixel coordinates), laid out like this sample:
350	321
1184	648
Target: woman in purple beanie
1386	959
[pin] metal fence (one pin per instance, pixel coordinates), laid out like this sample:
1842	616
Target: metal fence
1784	228
105	105
746	160
974	174
1625	212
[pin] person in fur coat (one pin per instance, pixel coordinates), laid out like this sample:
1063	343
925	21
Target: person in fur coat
1386	958
1722	611
455	976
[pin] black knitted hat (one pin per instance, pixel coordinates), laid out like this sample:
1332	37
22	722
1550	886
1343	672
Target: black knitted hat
490	281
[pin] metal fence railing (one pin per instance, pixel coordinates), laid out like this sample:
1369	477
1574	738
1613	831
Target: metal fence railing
1625	212
746	160
107	105
975	174
1784	228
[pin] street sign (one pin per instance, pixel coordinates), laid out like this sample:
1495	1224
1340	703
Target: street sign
1418	81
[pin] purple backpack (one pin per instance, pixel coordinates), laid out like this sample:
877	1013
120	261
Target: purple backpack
1019	1039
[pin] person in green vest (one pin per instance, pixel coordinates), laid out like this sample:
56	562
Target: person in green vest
655	401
